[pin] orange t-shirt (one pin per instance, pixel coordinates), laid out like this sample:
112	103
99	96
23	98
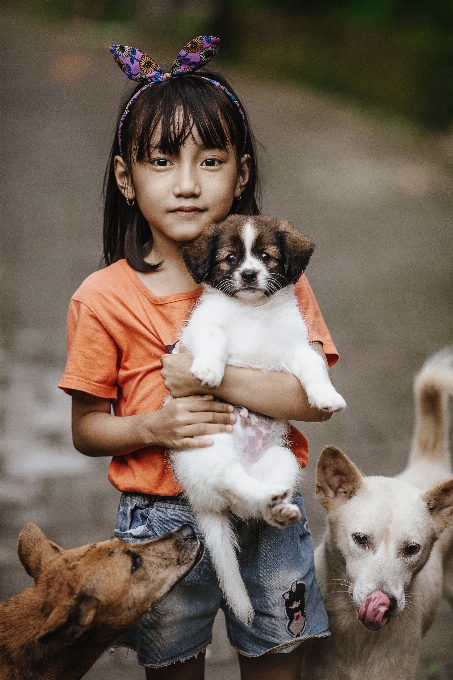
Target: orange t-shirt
117	332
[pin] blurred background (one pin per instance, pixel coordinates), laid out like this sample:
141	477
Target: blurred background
351	103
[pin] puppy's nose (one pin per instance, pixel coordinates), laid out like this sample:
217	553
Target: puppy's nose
248	275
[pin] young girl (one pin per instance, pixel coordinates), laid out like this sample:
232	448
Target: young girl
183	158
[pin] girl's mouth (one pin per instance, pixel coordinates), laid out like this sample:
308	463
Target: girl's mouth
187	210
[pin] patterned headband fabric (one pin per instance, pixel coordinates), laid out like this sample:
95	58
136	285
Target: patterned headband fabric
140	67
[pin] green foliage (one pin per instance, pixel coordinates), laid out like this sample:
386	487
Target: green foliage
393	54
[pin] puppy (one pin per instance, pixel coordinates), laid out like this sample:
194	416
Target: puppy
247	316
84	598
381	563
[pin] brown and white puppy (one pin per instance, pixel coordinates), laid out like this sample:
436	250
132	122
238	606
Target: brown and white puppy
247	316
84	598
388	547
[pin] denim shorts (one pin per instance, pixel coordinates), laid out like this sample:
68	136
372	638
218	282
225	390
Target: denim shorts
276	566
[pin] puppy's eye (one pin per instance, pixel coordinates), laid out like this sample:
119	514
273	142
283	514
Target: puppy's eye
360	539
411	549
265	257
136	562
230	258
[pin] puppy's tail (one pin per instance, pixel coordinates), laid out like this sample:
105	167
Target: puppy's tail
432	387
221	543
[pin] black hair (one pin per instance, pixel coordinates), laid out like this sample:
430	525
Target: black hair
218	122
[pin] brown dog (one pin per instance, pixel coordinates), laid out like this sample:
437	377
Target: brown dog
84	598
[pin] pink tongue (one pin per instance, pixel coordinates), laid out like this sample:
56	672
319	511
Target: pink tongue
373	610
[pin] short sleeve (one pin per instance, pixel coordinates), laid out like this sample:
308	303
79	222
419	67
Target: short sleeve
317	329
93	356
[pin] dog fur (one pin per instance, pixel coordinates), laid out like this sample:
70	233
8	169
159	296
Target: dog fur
83	599
387	547
247	316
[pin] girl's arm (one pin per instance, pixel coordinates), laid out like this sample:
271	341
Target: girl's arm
177	426
274	394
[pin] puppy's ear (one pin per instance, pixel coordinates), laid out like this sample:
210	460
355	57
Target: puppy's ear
199	254
296	250
68	621
337	478
440	504
35	550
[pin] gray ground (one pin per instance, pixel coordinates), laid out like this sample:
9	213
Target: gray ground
375	196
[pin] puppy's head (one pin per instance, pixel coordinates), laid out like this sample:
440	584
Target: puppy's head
248	256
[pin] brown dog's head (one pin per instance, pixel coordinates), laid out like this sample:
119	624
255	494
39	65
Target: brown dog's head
103	587
247	256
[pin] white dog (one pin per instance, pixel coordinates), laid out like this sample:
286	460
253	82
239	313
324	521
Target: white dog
247	316
380	566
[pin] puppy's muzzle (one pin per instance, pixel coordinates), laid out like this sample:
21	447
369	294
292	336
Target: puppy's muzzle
248	275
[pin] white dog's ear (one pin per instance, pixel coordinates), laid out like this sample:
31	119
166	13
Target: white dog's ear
337	479
296	250
440	504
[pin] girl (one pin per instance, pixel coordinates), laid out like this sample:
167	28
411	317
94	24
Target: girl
183	158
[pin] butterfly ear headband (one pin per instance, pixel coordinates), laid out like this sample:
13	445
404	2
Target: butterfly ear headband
140	67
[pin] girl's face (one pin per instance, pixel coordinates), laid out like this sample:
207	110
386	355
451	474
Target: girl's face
179	195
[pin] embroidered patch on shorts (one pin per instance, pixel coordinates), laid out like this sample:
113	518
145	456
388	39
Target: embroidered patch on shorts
295	608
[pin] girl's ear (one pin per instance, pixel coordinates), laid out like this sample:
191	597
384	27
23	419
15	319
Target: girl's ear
123	178
243	175
296	250
199	254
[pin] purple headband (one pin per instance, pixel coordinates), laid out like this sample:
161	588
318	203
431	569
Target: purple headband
140	67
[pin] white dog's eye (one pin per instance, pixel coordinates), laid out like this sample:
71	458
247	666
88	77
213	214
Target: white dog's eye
412	549
360	539
230	258
265	257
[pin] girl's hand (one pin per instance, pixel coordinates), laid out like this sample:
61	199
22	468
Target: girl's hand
177	377
178	425
181	423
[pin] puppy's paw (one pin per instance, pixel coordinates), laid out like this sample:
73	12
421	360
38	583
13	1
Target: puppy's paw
210	374
325	397
284	515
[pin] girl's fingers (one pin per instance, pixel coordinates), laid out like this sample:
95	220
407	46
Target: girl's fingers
196	436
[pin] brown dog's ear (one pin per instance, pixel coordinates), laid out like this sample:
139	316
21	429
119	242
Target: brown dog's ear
35	550
296	250
198	254
440	504
337	478
68	621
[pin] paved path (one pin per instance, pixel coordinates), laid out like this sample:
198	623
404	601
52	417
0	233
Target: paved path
375	197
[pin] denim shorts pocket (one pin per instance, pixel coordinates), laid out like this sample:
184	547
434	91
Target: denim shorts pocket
142	517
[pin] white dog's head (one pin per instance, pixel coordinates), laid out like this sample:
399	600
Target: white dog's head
249	257
383	529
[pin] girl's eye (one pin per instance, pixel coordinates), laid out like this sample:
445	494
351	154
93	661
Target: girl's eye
231	258
211	163
161	162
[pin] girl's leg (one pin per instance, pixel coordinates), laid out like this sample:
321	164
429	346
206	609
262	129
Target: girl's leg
192	669
272	666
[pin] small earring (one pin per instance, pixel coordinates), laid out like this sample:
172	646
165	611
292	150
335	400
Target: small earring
130	201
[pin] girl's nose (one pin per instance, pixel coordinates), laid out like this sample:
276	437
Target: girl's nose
187	183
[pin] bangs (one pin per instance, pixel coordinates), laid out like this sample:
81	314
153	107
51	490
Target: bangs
166	114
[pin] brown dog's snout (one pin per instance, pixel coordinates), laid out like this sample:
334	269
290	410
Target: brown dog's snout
186	532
